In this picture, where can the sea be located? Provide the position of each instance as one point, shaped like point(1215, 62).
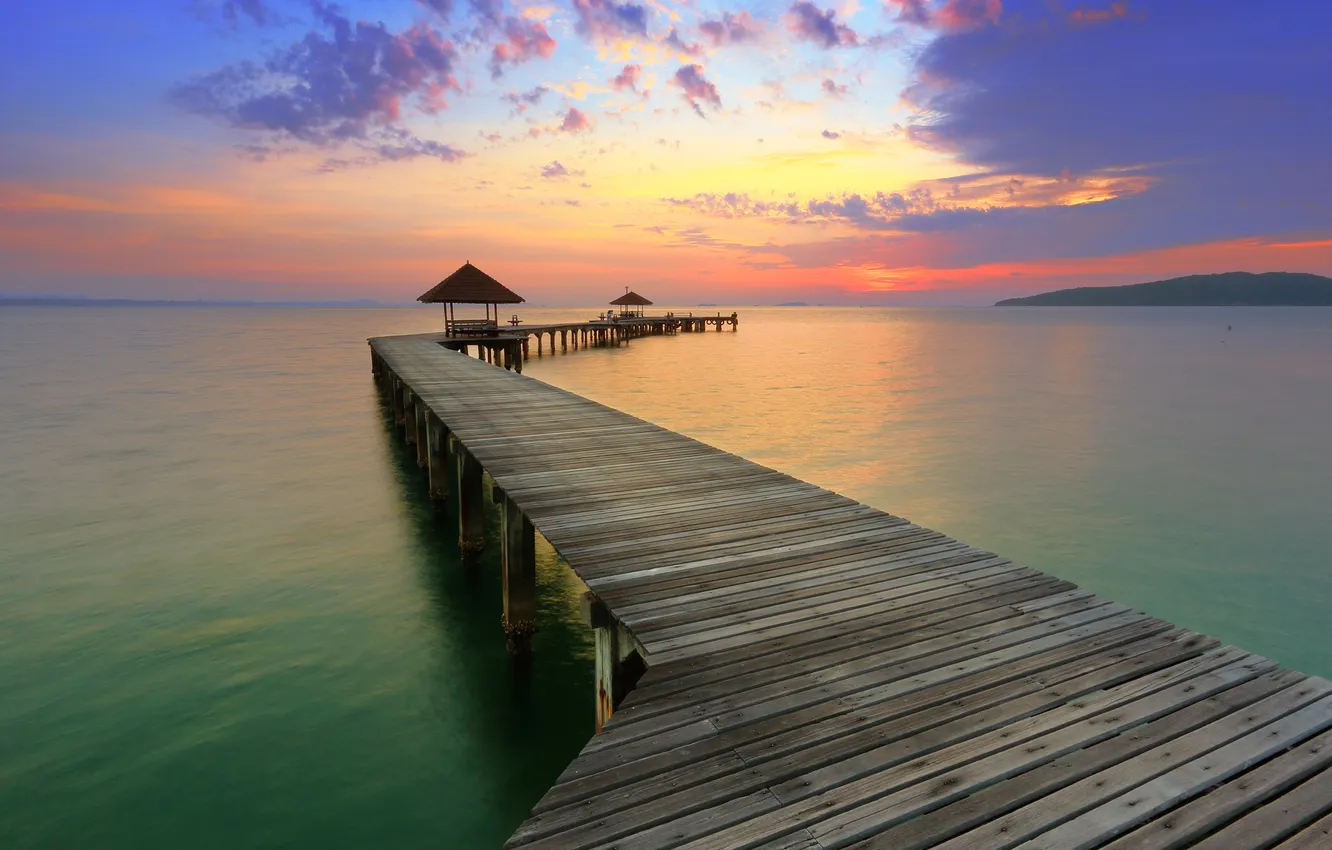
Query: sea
point(230, 618)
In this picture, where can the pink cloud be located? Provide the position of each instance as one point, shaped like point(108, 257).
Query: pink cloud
point(696, 88)
point(628, 78)
point(523, 41)
point(575, 121)
point(965, 14)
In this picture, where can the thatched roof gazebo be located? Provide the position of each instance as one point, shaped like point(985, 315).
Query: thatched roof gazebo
point(629, 301)
point(470, 285)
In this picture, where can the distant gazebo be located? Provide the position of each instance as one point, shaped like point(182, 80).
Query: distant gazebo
point(470, 285)
point(631, 304)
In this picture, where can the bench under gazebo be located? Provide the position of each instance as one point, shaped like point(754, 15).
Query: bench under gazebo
point(470, 285)
point(631, 304)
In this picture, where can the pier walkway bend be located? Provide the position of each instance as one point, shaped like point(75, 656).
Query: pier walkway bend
point(821, 674)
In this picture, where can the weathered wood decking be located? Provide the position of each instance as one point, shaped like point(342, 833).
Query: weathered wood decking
point(822, 674)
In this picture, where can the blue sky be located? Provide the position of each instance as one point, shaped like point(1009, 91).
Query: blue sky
point(900, 151)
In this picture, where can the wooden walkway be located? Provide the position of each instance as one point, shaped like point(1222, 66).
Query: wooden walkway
point(822, 674)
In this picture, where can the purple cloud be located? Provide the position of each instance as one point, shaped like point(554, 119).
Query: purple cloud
point(832, 89)
point(829, 134)
point(689, 49)
point(522, 100)
point(819, 26)
point(607, 20)
point(523, 41)
point(731, 29)
point(255, 10)
point(696, 88)
point(346, 84)
point(1213, 115)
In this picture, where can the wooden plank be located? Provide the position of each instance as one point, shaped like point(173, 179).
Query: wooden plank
point(1276, 820)
point(1137, 806)
point(1185, 824)
point(1077, 797)
point(1316, 836)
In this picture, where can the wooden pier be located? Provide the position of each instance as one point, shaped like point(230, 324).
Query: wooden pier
point(510, 345)
point(781, 667)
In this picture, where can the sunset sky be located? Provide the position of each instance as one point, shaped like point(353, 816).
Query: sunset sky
point(858, 151)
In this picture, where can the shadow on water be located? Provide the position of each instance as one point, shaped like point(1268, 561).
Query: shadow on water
point(526, 720)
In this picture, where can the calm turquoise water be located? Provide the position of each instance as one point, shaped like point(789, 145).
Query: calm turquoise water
point(228, 618)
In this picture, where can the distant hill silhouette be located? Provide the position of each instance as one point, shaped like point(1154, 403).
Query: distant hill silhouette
point(1229, 289)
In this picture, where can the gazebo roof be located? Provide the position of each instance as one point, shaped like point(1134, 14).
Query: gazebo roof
point(631, 299)
point(470, 285)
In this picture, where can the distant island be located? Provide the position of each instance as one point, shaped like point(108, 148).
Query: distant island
point(1229, 289)
point(793, 304)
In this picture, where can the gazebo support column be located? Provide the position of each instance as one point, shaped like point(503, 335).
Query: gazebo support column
point(471, 503)
point(438, 452)
point(519, 579)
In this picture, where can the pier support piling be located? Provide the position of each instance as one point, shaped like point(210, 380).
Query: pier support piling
point(471, 503)
point(519, 579)
point(619, 664)
point(422, 433)
point(437, 442)
point(409, 416)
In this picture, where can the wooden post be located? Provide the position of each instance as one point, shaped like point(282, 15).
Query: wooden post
point(564, 341)
point(619, 665)
point(471, 503)
point(541, 340)
point(519, 355)
point(437, 439)
point(422, 434)
point(395, 399)
point(409, 415)
point(519, 579)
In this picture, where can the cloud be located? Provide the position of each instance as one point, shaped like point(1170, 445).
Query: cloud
point(673, 40)
point(442, 8)
point(255, 10)
point(400, 145)
point(950, 15)
point(1087, 15)
point(1215, 121)
point(606, 20)
point(556, 170)
point(819, 26)
point(346, 82)
point(965, 14)
point(628, 78)
point(696, 88)
point(832, 89)
point(731, 29)
point(524, 40)
point(912, 210)
point(910, 11)
point(575, 121)
point(829, 134)
point(522, 100)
